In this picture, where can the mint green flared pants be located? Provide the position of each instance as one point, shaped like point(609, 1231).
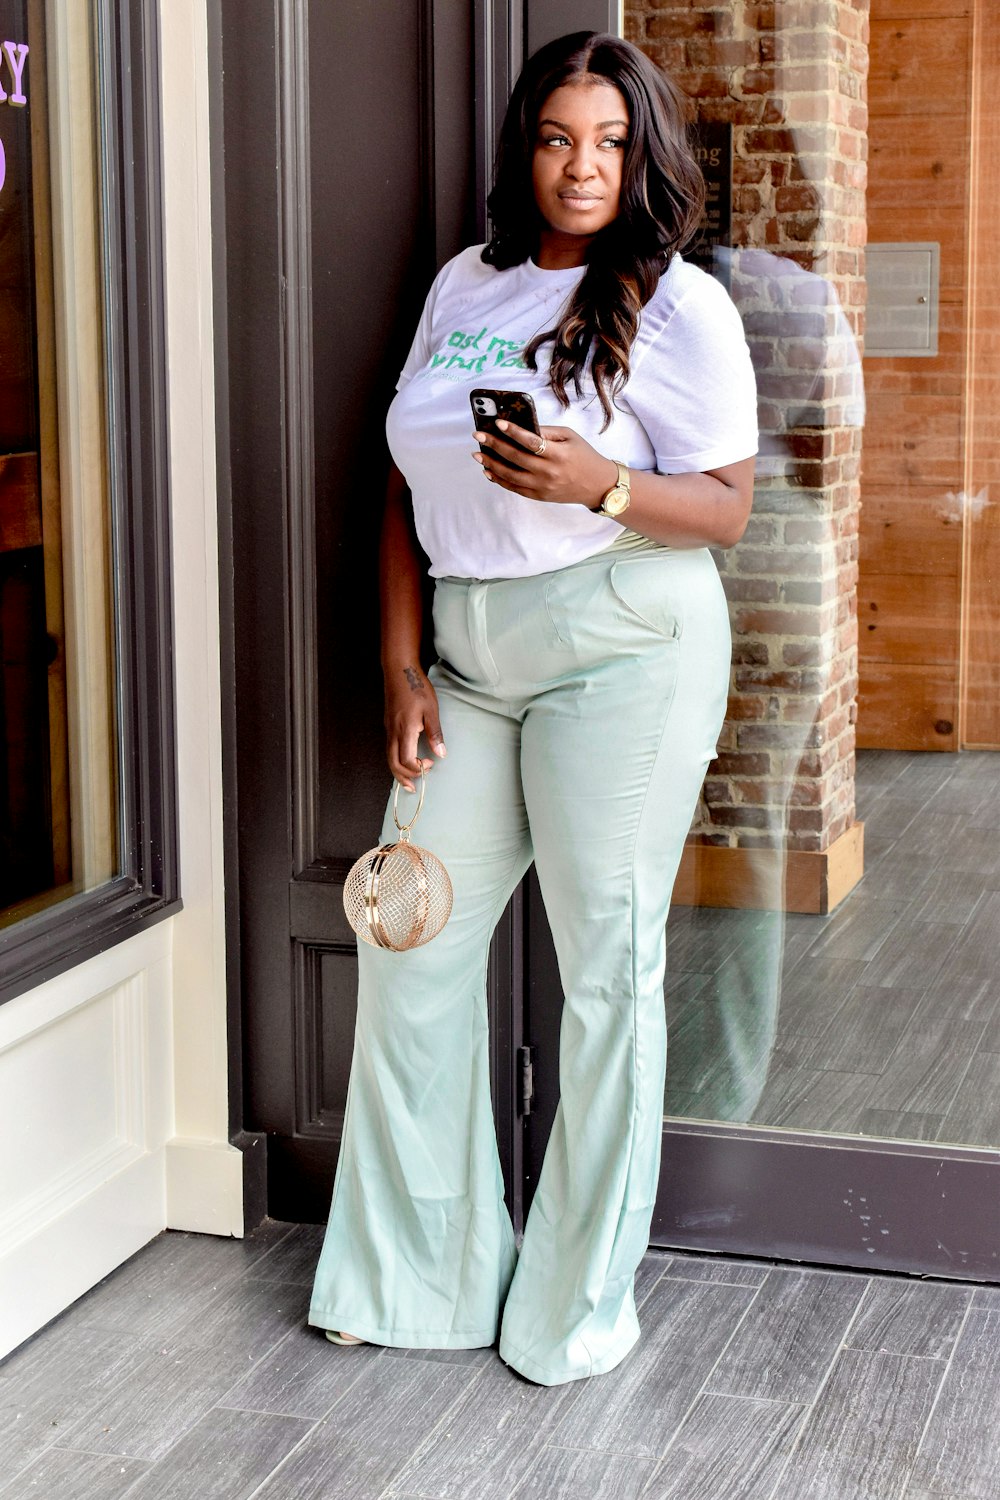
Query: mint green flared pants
point(580, 709)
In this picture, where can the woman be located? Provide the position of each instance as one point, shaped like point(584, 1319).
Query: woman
point(581, 680)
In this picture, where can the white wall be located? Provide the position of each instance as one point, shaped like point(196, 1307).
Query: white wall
point(113, 1077)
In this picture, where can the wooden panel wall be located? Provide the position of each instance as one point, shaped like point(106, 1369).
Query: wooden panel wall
point(915, 459)
point(981, 676)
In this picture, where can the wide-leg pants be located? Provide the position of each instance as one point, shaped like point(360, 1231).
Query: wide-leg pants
point(580, 709)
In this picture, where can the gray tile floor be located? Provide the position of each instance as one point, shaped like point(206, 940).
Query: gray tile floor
point(882, 1019)
point(190, 1374)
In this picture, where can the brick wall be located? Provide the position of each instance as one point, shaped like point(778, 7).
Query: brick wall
point(790, 78)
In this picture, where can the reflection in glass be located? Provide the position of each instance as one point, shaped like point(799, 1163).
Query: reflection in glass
point(863, 596)
point(888, 1021)
point(58, 801)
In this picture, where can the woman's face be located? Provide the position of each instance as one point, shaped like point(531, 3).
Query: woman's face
point(578, 157)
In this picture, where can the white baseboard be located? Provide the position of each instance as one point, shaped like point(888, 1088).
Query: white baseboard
point(204, 1186)
point(55, 1262)
point(186, 1184)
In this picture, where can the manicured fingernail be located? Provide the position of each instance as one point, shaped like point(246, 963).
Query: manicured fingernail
point(478, 457)
point(502, 424)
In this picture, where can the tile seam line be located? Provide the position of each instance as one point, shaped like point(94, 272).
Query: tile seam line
point(646, 1295)
point(746, 1286)
point(263, 1411)
point(98, 1453)
point(269, 1476)
point(110, 1453)
point(69, 1447)
point(460, 1396)
point(303, 1439)
point(974, 1052)
point(657, 1458)
point(277, 1244)
point(937, 1396)
point(715, 1363)
point(944, 1359)
point(775, 1492)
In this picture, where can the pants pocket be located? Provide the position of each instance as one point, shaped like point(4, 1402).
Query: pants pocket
point(641, 586)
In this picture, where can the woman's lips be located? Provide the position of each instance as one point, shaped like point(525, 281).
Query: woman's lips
point(576, 200)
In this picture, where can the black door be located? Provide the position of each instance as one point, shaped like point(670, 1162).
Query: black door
point(353, 159)
point(353, 149)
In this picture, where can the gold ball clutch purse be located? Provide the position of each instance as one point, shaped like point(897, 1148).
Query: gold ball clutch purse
point(398, 896)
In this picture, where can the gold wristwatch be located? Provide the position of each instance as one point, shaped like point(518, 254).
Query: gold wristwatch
point(617, 499)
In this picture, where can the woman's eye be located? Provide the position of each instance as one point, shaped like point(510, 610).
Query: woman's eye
point(615, 142)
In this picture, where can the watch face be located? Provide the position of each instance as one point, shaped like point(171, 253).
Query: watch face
point(616, 500)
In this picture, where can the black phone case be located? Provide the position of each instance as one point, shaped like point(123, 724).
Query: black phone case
point(513, 406)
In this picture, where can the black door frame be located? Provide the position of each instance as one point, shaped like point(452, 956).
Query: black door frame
point(261, 193)
point(264, 426)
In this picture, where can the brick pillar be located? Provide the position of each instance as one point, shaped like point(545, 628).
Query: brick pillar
point(777, 823)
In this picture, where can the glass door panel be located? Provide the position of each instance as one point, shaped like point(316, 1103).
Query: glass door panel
point(832, 988)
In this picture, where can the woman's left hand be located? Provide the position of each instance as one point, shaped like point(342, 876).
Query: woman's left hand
point(560, 466)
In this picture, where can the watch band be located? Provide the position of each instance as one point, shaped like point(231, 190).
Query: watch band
point(619, 495)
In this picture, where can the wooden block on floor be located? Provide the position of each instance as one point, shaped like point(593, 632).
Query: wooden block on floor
point(794, 880)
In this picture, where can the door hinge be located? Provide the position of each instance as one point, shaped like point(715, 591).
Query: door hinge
point(526, 1077)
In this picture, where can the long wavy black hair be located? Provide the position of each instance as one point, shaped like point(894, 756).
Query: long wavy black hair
point(661, 203)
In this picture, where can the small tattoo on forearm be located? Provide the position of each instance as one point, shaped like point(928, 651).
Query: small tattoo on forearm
point(413, 678)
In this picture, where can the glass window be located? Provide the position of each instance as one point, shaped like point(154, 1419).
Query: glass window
point(58, 778)
point(88, 828)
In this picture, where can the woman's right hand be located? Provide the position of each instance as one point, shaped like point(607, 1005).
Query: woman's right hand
point(411, 706)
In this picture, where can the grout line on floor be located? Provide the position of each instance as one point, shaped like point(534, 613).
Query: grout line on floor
point(937, 1396)
point(715, 1364)
point(744, 1286)
point(277, 1244)
point(386, 1491)
point(277, 1467)
point(774, 1492)
point(652, 1288)
point(305, 1436)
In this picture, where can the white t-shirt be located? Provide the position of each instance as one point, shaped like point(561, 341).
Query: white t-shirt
point(689, 405)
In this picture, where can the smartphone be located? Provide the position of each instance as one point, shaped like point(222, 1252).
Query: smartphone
point(514, 406)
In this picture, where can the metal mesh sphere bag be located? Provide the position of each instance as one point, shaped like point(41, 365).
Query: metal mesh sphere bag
point(398, 895)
